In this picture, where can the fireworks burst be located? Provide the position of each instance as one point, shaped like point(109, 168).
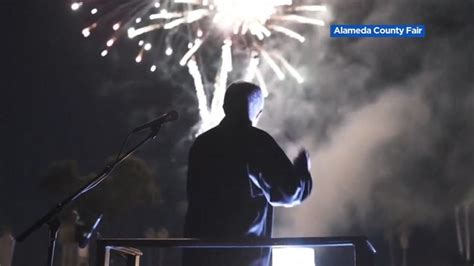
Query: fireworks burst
point(243, 24)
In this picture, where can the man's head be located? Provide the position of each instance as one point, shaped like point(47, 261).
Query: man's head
point(243, 100)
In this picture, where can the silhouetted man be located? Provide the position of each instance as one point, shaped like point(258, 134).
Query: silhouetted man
point(236, 172)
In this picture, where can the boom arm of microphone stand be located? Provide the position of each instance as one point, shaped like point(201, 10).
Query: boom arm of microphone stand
point(53, 212)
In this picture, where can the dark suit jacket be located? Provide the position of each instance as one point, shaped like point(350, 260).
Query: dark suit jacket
point(236, 173)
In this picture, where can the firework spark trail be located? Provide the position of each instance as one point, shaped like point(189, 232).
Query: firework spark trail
point(188, 17)
point(217, 112)
point(255, 20)
point(311, 8)
point(274, 66)
point(165, 15)
point(132, 32)
point(200, 93)
point(288, 32)
point(252, 67)
point(191, 52)
point(296, 75)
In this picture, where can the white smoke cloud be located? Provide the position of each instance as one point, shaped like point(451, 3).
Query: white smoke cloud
point(345, 166)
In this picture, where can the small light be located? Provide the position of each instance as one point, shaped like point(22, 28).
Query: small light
point(86, 32)
point(141, 42)
point(75, 6)
point(116, 26)
point(153, 68)
point(94, 11)
point(110, 42)
point(138, 20)
point(190, 45)
point(293, 256)
point(199, 33)
point(169, 51)
point(104, 53)
point(138, 59)
point(147, 47)
point(157, 4)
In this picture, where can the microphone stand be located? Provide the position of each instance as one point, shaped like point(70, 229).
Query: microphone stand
point(51, 219)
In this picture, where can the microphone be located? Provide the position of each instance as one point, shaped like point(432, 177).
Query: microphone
point(168, 117)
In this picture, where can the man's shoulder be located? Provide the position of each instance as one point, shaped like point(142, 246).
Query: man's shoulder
point(260, 133)
point(206, 135)
point(216, 132)
point(205, 138)
point(260, 137)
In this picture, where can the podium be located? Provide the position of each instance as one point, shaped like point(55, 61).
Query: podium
point(364, 251)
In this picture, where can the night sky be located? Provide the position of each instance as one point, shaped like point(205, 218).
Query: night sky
point(388, 123)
